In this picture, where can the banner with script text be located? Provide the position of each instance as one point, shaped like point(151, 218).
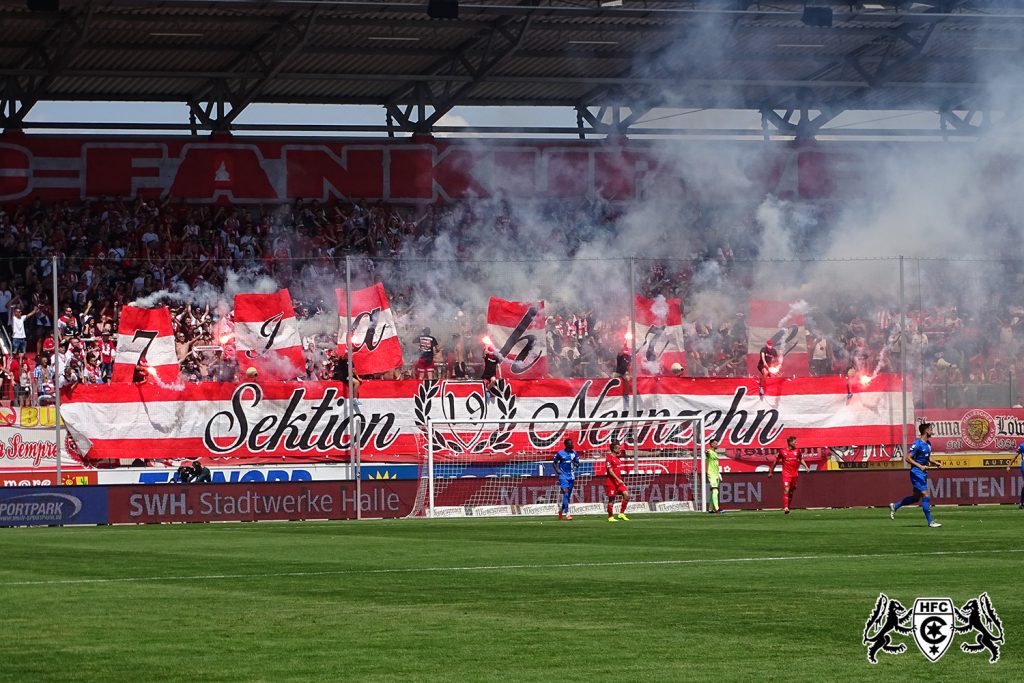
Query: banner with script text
point(310, 421)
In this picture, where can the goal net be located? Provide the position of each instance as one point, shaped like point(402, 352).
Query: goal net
point(504, 467)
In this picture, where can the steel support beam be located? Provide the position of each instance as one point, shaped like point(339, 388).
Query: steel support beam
point(43, 64)
point(218, 103)
point(445, 83)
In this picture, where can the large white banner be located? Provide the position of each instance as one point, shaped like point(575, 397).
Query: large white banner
point(310, 421)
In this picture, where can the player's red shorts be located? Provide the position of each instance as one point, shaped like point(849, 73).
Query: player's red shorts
point(789, 482)
point(614, 488)
point(425, 364)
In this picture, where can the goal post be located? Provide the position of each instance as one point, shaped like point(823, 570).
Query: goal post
point(504, 466)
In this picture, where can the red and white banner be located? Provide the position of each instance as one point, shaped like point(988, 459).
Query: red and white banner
point(267, 336)
point(960, 430)
point(144, 338)
point(260, 171)
point(517, 332)
point(310, 421)
point(659, 340)
point(783, 323)
point(375, 344)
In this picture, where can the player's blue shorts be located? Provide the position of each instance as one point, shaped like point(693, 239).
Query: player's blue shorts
point(919, 479)
point(566, 482)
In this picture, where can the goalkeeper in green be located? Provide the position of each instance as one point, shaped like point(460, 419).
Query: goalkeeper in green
point(714, 475)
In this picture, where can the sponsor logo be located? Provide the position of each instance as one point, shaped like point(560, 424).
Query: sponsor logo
point(40, 508)
point(233, 476)
point(934, 623)
point(389, 472)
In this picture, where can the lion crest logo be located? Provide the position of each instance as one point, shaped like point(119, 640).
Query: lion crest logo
point(978, 615)
point(978, 428)
point(888, 617)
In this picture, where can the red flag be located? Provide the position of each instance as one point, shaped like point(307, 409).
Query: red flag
point(783, 323)
point(144, 339)
point(267, 336)
point(517, 332)
point(659, 335)
point(375, 345)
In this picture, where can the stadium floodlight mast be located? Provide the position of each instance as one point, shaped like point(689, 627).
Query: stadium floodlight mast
point(464, 477)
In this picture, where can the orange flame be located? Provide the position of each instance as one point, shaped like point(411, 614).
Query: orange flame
point(486, 339)
point(865, 380)
point(628, 336)
point(774, 369)
point(225, 338)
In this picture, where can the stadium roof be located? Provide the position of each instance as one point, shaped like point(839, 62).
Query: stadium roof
point(612, 63)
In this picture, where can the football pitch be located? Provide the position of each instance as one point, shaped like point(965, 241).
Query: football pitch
point(743, 596)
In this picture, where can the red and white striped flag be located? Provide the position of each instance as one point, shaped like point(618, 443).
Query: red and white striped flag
point(267, 336)
point(783, 323)
point(517, 332)
point(659, 335)
point(375, 345)
point(144, 338)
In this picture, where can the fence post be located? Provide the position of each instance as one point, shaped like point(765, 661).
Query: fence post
point(56, 373)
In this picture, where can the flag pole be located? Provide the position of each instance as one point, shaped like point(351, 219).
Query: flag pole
point(903, 364)
point(56, 377)
point(353, 426)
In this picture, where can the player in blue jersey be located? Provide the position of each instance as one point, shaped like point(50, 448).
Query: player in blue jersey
point(1020, 455)
point(920, 460)
point(566, 462)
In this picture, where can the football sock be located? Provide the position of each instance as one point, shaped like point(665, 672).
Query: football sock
point(909, 500)
point(622, 507)
point(565, 501)
point(610, 509)
point(714, 499)
point(926, 505)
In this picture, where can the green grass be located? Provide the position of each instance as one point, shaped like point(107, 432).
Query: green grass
point(662, 598)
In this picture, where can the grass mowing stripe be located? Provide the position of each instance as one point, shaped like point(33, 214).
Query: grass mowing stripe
point(511, 567)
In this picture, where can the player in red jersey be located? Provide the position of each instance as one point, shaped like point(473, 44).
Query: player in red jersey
point(613, 484)
point(791, 461)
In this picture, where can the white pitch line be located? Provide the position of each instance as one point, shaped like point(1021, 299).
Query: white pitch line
point(510, 567)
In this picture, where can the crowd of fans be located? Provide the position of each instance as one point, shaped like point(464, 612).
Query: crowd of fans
point(111, 253)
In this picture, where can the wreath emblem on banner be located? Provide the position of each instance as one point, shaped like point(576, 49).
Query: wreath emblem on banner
point(499, 440)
